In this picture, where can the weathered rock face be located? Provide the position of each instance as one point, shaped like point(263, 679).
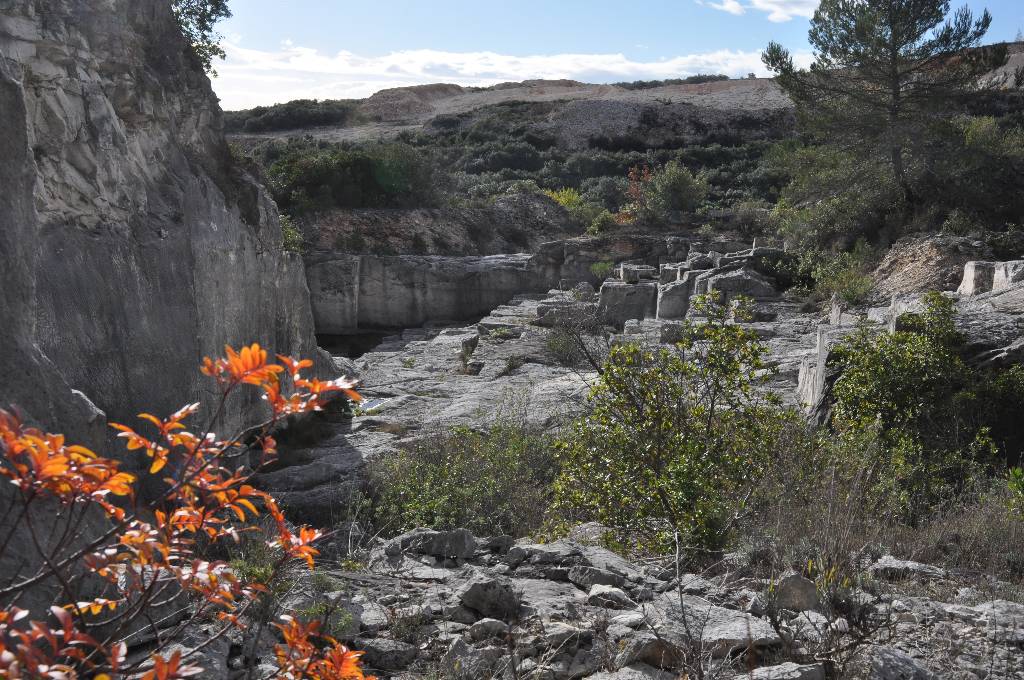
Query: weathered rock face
point(131, 246)
point(350, 292)
point(917, 265)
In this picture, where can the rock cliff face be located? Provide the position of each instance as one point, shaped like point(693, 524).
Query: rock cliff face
point(358, 292)
point(130, 246)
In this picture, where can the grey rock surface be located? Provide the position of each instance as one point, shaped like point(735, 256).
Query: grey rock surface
point(796, 593)
point(141, 246)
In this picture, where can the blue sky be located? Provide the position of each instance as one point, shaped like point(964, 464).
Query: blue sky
point(284, 49)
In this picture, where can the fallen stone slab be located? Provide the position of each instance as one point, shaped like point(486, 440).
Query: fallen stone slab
point(789, 671)
point(892, 569)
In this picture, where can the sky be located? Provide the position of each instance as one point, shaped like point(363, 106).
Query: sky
point(278, 50)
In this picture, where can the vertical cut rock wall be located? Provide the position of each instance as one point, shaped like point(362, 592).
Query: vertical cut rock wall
point(130, 245)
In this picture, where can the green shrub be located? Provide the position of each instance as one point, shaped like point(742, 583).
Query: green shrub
point(943, 424)
point(581, 212)
point(291, 238)
point(603, 223)
point(844, 274)
point(656, 196)
point(497, 481)
point(675, 438)
point(960, 223)
point(689, 80)
point(298, 113)
point(305, 179)
point(602, 269)
point(675, 188)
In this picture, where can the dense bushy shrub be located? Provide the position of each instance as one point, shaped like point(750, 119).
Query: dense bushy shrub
point(836, 197)
point(298, 113)
point(308, 178)
point(291, 237)
point(581, 212)
point(942, 424)
point(602, 223)
point(607, 192)
point(675, 438)
point(845, 275)
point(658, 196)
point(495, 481)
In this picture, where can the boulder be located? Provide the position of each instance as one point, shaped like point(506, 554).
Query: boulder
point(487, 628)
point(635, 671)
point(650, 649)
point(386, 654)
point(563, 636)
point(721, 631)
point(796, 593)
point(633, 273)
point(462, 661)
point(789, 671)
point(490, 597)
point(609, 597)
point(455, 544)
point(889, 663)
point(586, 577)
point(674, 299)
point(742, 281)
point(1007, 273)
point(892, 569)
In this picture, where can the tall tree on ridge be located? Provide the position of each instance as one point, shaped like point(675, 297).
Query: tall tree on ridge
point(883, 72)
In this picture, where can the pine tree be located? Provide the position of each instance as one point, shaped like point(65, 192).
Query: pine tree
point(884, 71)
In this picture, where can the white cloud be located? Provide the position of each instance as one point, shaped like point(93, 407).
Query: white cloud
point(777, 10)
point(251, 77)
point(784, 10)
point(730, 6)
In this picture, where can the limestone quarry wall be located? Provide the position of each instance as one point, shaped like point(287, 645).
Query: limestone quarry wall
point(360, 292)
point(130, 245)
point(353, 292)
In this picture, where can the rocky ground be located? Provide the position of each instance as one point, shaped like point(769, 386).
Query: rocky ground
point(436, 604)
point(427, 379)
point(447, 604)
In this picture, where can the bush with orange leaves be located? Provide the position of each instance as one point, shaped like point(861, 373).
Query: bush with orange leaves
point(109, 560)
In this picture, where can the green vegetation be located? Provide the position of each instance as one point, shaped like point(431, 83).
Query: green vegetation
point(492, 482)
point(581, 212)
point(845, 275)
point(197, 19)
point(306, 177)
point(689, 80)
point(656, 196)
point(291, 237)
point(883, 75)
point(675, 439)
point(942, 425)
point(298, 113)
point(602, 223)
point(501, 149)
point(602, 269)
point(895, 133)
